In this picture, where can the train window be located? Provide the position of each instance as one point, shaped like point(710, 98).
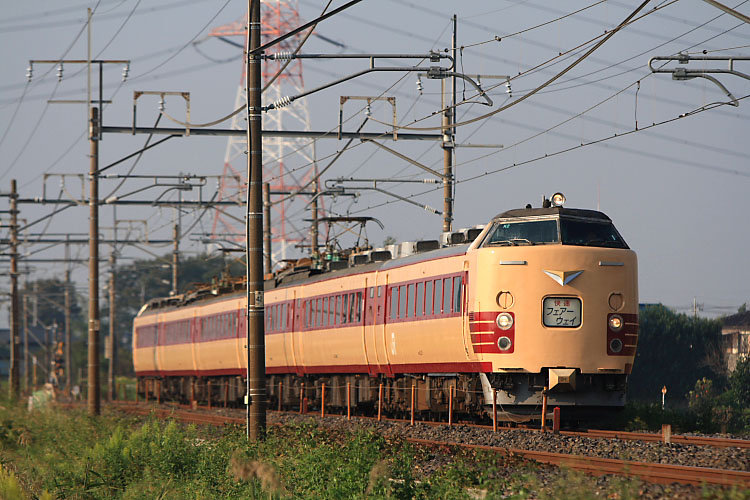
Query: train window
point(331, 311)
point(523, 233)
point(319, 313)
point(402, 301)
point(350, 312)
point(438, 296)
point(380, 291)
point(283, 316)
point(428, 299)
point(394, 302)
point(307, 313)
point(420, 298)
point(446, 295)
point(593, 234)
point(372, 292)
point(344, 307)
point(325, 311)
point(457, 294)
point(358, 310)
point(410, 301)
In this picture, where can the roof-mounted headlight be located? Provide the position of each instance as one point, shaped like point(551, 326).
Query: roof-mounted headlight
point(558, 199)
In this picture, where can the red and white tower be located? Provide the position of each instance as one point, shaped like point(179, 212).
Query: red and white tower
point(288, 163)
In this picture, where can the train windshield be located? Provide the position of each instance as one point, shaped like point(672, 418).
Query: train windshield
point(567, 231)
point(524, 233)
point(589, 233)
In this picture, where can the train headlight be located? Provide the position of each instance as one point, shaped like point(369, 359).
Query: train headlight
point(557, 199)
point(615, 345)
point(615, 322)
point(504, 343)
point(504, 321)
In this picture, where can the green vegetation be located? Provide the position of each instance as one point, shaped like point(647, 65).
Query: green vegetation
point(674, 350)
point(684, 354)
point(66, 454)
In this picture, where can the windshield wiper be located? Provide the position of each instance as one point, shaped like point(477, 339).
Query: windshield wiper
point(511, 242)
point(517, 241)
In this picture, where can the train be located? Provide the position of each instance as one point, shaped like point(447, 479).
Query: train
point(538, 303)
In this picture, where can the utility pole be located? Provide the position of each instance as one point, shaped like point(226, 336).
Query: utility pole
point(25, 342)
point(449, 143)
point(256, 357)
point(68, 359)
point(94, 398)
point(268, 264)
point(314, 207)
point(14, 386)
point(175, 255)
point(111, 340)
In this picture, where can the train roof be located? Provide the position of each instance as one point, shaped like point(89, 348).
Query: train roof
point(559, 211)
point(311, 276)
point(296, 277)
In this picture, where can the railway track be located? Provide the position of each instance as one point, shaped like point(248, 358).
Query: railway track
point(590, 433)
point(651, 472)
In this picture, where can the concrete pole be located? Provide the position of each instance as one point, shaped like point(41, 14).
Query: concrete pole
point(68, 319)
point(112, 340)
point(314, 229)
point(94, 397)
point(256, 357)
point(25, 323)
point(14, 385)
point(449, 144)
point(175, 255)
point(268, 263)
point(447, 165)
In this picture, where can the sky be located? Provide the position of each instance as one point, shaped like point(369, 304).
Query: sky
point(663, 158)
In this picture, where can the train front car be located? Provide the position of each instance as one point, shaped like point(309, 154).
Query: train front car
point(554, 303)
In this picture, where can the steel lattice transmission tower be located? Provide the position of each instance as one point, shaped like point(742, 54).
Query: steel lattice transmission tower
point(289, 164)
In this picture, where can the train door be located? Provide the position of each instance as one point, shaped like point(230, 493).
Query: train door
point(371, 308)
point(380, 331)
point(297, 336)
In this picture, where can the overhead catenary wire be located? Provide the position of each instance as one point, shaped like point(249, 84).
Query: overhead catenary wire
point(580, 146)
point(49, 70)
point(498, 38)
point(265, 87)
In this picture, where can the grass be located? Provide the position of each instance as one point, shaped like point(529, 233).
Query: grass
point(67, 454)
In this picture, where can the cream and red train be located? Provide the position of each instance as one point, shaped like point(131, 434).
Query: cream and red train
point(542, 297)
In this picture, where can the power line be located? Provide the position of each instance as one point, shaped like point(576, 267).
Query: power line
point(579, 146)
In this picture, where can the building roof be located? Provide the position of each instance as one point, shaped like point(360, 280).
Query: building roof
point(741, 320)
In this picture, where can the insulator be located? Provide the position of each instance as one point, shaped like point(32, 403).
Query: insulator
point(125, 72)
point(508, 90)
point(431, 181)
point(280, 103)
point(368, 110)
point(283, 56)
point(30, 72)
point(419, 85)
point(430, 209)
point(161, 104)
point(59, 72)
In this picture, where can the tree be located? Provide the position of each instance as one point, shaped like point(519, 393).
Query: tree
point(389, 240)
point(739, 385)
point(742, 309)
point(674, 350)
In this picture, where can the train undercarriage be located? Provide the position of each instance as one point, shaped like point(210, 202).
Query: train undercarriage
point(518, 396)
